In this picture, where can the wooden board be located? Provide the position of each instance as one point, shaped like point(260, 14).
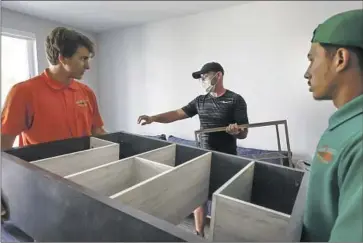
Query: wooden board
point(50, 208)
point(96, 142)
point(240, 185)
point(175, 193)
point(295, 228)
point(235, 218)
point(157, 194)
point(117, 176)
point(145, 169)
point(165, 155)
point(238, 221)
point(75, 162)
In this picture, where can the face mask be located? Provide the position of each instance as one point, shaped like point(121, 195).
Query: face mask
point(208, 86)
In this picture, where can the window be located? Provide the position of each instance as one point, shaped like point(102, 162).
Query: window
point(18, 60)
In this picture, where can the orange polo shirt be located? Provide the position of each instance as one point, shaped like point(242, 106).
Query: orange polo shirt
point(43, 110)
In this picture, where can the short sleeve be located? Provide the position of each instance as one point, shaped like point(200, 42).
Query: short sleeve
point(191, 108)
point(17, 113)
point(240, 111)
point(97, 121)
point(349, 223)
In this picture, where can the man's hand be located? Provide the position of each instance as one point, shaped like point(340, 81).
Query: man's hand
point(98, 131)
point(144, 120)
point(233, 129)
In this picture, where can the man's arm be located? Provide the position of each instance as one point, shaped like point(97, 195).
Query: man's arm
point(16, 115)
point(98, 131)
point(187, 111)
point(170, 116)
point(240, 116)
point(349, 223)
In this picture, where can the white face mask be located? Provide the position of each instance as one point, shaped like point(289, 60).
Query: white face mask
point(208, 86)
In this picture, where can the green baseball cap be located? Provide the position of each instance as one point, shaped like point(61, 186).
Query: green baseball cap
point(344, 29)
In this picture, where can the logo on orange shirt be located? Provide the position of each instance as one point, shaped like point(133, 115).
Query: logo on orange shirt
point(82, 103)
point(326, 154)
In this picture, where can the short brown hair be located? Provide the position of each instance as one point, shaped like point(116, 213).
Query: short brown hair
point(65, 42)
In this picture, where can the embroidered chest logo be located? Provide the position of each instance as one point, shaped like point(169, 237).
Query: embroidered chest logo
point(82, 103)
point(226, 102)
point(326, 154)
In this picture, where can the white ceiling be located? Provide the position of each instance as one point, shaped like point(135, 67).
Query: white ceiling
point(98, 16)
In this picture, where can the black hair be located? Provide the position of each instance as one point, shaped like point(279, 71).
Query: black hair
point(332, 49)
point(65, 42)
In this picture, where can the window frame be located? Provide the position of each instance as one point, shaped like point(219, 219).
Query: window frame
point(32, 55)
point(32, 47)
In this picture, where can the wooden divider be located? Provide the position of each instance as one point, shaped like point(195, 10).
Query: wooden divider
point(252, 201)
point(114, 177)
point(236, 218)
point(96, 142)
point(240, 185)
point(64, 165)
point(165, 155)
point(173, 194)
point(239, 221)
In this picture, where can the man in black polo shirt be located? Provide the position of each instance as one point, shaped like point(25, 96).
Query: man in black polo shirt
point(219, 107)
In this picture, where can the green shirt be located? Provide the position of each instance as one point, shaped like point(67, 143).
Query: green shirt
point(334, 207)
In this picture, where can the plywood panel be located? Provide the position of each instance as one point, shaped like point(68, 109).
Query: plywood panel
point(238, 221)
point(240, 185)
point(114, 177)
point(175, 193)
point(106, 179)
point(295, 228)
point(165, 155)
point(88, 215)
point(236, 218)
point(224, 167)
point(96, 142)
point(133, 144)
point(275, 187)
point(75, 162)
point(52, 209)
point(145, 169)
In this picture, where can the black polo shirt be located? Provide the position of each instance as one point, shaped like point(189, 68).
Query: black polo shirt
point(218, 112)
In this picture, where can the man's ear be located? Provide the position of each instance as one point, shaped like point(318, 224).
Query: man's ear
point(342, 59)
point(61, 59)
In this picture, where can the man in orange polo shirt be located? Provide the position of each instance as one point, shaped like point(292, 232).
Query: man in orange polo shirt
point(53, 105)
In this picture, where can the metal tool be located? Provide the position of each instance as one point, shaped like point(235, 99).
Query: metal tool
point(272, 155)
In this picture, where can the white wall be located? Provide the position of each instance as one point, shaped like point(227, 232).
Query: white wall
point(41, 28)
point(263, 48)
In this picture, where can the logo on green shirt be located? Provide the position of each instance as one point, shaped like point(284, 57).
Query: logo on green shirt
point(326, 154)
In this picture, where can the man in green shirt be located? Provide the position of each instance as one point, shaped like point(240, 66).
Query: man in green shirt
point(334, 207)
